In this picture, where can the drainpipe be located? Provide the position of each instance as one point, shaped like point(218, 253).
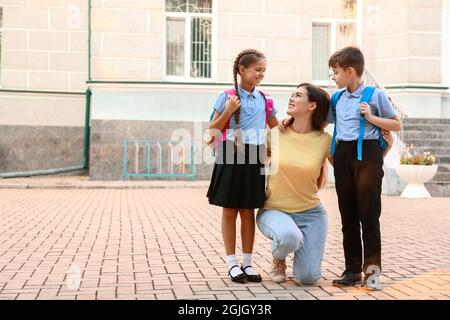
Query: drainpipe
point(87, 130)
point(89, 39)
point(83, 166)
point(21, 174)
point(86, 143)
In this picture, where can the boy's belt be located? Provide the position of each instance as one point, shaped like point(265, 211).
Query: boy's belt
point(355, 141)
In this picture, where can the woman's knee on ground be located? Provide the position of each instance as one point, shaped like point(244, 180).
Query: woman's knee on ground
point(306, 277)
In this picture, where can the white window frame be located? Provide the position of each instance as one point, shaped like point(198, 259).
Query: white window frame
point(187, 49)
point(333, 22)
point(332, 26)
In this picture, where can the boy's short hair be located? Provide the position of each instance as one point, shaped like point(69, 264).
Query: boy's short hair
point(348, 57)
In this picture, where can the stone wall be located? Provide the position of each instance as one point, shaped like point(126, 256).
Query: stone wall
point(30, 148)
point(107, 148)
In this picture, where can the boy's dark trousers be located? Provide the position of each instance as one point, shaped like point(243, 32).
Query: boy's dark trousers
point(358, 187)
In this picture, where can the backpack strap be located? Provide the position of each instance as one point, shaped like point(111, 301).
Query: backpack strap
point(223, 137)
point(365, 98)
point(334, 101)
point(383, 143)
point(232, 92)
point(267, 97)
point(269, 105)
point(229, 93)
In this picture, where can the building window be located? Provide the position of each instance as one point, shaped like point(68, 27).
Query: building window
point(321, 43)
point(188, 39)
point(329, 35)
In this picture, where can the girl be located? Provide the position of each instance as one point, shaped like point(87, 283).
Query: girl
point(238, 181)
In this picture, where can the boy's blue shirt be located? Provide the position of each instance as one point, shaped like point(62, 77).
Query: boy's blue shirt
point(348, 114)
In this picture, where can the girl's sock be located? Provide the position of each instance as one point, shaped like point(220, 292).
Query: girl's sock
point(231, 262)
point(247, 261)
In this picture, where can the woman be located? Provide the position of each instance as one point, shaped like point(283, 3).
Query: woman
point(293, 216)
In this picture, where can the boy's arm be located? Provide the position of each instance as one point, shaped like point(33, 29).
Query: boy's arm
point(391, 124)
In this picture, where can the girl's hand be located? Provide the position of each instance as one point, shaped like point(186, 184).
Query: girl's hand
point(366, 111)
point(232, 104)
point(209, 139)
point(284, 124)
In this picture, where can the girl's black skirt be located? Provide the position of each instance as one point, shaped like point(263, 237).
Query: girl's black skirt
point(238, 179)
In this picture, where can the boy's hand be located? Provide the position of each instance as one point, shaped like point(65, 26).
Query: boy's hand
point(232, 104)
point(366, 111)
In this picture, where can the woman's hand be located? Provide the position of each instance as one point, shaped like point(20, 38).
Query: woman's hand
point(387, 135)
point(232, 104)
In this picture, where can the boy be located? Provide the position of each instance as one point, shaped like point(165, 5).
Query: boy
point(358, 178)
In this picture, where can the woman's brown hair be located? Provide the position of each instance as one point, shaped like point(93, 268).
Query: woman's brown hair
point(322, 99)
point(319, 118)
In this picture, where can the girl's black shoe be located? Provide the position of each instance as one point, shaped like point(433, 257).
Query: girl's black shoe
point(240, 278)
point(251, 277)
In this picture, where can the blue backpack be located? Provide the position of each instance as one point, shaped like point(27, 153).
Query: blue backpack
point(365, 98)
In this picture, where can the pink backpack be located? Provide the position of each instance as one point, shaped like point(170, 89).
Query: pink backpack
point(232, 92)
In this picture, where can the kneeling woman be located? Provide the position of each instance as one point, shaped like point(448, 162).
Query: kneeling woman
point(293, 216)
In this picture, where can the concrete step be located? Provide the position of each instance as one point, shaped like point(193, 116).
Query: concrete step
point(440, 152)
point(425, 121)
point(409, 135)
point(438, 189)
point(444, 167)
point(442, 143)
point(432, 135)
point(444, 159)
point(427, 127)
point(441, 177)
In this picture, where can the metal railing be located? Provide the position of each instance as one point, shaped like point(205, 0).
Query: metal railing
point(158, 159)
point(370, 80)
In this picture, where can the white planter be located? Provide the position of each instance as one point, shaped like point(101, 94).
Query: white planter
point(416, 176)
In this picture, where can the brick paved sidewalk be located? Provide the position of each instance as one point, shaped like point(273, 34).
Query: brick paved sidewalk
point(83, 182)
point(165, 243)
